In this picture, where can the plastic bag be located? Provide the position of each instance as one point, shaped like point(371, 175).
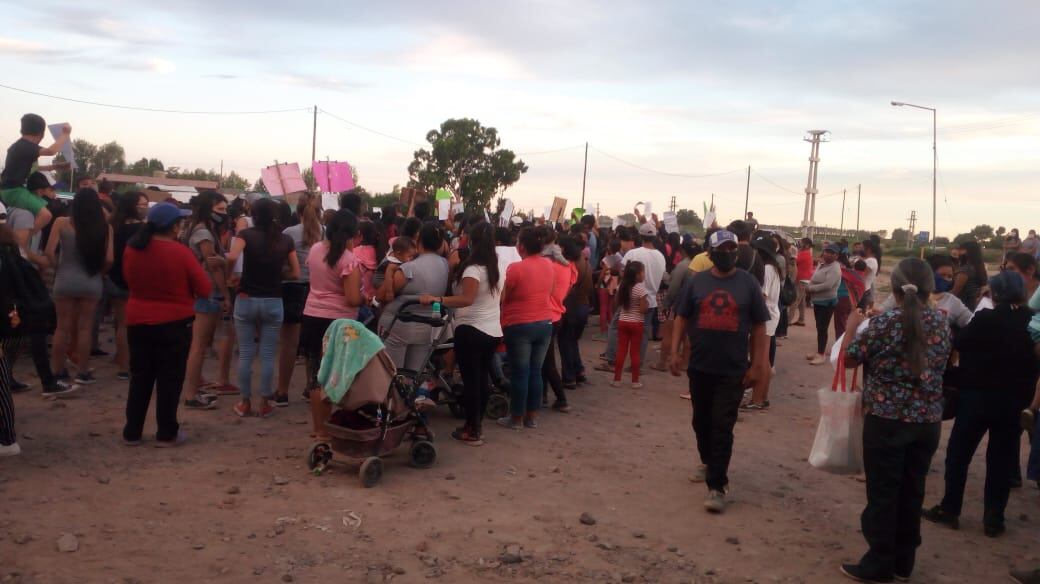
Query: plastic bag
point(838, 446)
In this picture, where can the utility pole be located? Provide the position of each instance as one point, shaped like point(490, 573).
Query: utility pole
point(584, 175)
point(842, 228)
point(747, 191)
point(314, 136)
point(671, 206)
point(220, 182)
point(859, 194)
point(910, 234)
point(814, 137)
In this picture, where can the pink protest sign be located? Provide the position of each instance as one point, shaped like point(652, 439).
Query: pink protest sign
point(282, 179)
point(333, 177)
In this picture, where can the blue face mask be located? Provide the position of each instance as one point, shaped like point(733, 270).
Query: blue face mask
point(942, 284)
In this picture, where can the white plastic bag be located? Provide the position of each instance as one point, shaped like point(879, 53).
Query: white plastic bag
point(838, 446)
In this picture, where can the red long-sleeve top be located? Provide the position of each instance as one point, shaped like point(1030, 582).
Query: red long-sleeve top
point(164, 280)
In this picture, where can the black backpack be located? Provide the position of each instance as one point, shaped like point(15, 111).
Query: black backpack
point(25, 292)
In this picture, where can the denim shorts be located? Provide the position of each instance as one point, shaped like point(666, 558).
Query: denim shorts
point(209, 305)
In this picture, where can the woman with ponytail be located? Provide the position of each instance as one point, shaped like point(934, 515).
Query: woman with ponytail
point(164, 280)
point(904, 353)
point(268, 259)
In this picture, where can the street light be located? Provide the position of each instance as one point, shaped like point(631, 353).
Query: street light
point(935, 157)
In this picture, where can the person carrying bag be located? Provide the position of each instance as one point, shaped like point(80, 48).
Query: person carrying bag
point(838, 446)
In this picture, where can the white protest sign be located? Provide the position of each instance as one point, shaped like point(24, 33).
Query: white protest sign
point(443, 209)
point(507, 214)
point(66, 150)
point(671, 222)
point(545, 212)
point(648, 209)
point(330, 201)
point(709, 218)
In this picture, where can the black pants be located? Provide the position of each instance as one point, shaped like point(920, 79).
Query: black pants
point(571, 328)
point(474, 350)
point(7, 435)
point(312, 337)
point(896, 457)
point(158, 357)
point(715, 400)
point(979, 412)
point(823, 316)
point(551, 373)
point(12, 347)
point(781, 327)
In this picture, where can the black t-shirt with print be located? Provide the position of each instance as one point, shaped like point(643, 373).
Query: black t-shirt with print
point(720, 313)
point(21, 157)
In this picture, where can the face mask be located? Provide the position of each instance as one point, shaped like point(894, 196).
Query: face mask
point(218, 218)
point(723, 260)
point(942, 284)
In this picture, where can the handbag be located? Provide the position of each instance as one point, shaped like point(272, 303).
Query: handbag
point(838, 445)
point(788, 292)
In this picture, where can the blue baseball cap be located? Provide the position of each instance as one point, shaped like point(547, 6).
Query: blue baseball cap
point(164, 215)
point(720, 237)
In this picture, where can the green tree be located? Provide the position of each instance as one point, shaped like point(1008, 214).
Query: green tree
point(963, 237)
point(689, 218)
point(259, 186)
point(900, 234)
point(235, 181)
point(464, 158)
point(146, 167)
point(982, 232)
point(1001, 231)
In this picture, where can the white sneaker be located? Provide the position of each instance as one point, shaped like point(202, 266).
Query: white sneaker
point(716, 501)
point(10, 450)
point(699, 475)
point(637, 385)
point(615, 384)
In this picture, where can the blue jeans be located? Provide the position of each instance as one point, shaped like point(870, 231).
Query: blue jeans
point(648, 320)
point(253, 315)
point(526, 345)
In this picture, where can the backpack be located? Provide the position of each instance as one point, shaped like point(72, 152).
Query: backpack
point(788, 292)
point(25, 292)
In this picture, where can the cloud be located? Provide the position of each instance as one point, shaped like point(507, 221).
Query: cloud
point(222, 76)
point(30, 50)
point(150, 65)
point(320, 82)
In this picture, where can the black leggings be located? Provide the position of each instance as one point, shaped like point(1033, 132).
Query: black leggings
point(312, 337)
point(550, 372)
point(823, 316)
point(474, 351)
point(158, 358)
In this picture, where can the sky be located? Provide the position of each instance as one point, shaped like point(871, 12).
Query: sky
point(675, 98)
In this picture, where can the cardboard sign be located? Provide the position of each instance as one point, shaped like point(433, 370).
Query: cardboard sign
point(606, 222)
point(410, 196)
point(558, 206)
point(332, 177)
point(671, 222)
point(67, 152)
point(330, 201)
point(282, 179)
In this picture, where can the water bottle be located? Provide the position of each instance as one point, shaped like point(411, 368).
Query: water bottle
point(436, 310)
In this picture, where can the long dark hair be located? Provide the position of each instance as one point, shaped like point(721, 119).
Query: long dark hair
point(126, 208)
point(912, 283)
point(628, 281)
point(339, 232)
point(481, 253)
point(532, 240)
point(373, 234)
point(972, 256)
point(265, 220)
point(88, 219)
point(203, 215)
point(143, 236)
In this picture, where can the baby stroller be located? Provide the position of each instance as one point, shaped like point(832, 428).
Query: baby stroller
point(372, 419)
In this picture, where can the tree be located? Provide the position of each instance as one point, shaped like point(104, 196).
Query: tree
point(982, 232)
point(963, 237)
point(235, 181)
point(900, 234)
point(689, 218)
point(1001, 231)
point(942, 241)
point(464, 158)
point(146, 167)
point(259, 186)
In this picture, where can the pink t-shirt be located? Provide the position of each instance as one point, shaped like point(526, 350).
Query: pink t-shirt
point(326, 298)
point(366, 257)
point(563, 278)
point(525, 297)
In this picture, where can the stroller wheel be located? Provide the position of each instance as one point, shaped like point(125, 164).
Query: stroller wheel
point(497, 406)
point(371, 472)
point(423, 454)
point(319, 458)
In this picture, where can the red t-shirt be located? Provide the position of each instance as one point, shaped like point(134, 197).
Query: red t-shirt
point(563, 278)
point(525, 297)
point(164, 280)
point(804, 261)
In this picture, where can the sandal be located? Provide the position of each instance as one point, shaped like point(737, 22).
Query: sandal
point(467, 437)
point(562, 408)
point(243, 410)
point(755, 407)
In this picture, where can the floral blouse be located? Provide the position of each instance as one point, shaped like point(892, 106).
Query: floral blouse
point(891, 391)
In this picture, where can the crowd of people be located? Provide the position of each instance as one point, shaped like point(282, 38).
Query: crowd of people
point(270, 278)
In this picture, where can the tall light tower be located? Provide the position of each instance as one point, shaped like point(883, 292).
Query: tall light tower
point(814, 137)
point(935, 155)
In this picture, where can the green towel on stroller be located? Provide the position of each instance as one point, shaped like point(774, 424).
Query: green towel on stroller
point(347, 347)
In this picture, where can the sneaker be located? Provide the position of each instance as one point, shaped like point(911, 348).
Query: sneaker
point(508, 422)
point(615, 384)
point(85, 379)
point(859, 574)
point(466, 437)
point(59, 388)
point(563, 408)
point(19, 387)
point(1025, 576)
point(180, 439)
point(637, 385)
point(755, 407)
point(281, 401)
point(225, 389)
point(123, 376)
point(699, 475)
point(818, 360)
point(266, 411)
point(581, 378)
point(205, 393)
point(570, 385)
point(531, 423)
point(716, 501)
point(937, 515)
point(994, 530)
point(10, 450)
point(242, 410)
point(199, 403)
point(99, 353)
point(137, 442)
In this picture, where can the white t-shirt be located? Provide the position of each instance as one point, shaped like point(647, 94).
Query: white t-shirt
point(654, 267)
point(507, 256)
point(872, 269)
point(771, 290)
point(957, 314)
point(483, 314)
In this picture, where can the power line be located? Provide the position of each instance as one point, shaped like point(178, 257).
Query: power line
point(781, 187)
point(551, 151)
point(151, 109)
point(643, 168)
point(366, 129)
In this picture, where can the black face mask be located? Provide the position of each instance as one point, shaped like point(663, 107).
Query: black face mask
point(723, 260)
point(218, 218)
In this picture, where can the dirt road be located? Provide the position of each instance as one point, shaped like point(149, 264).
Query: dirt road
point(237, 504)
